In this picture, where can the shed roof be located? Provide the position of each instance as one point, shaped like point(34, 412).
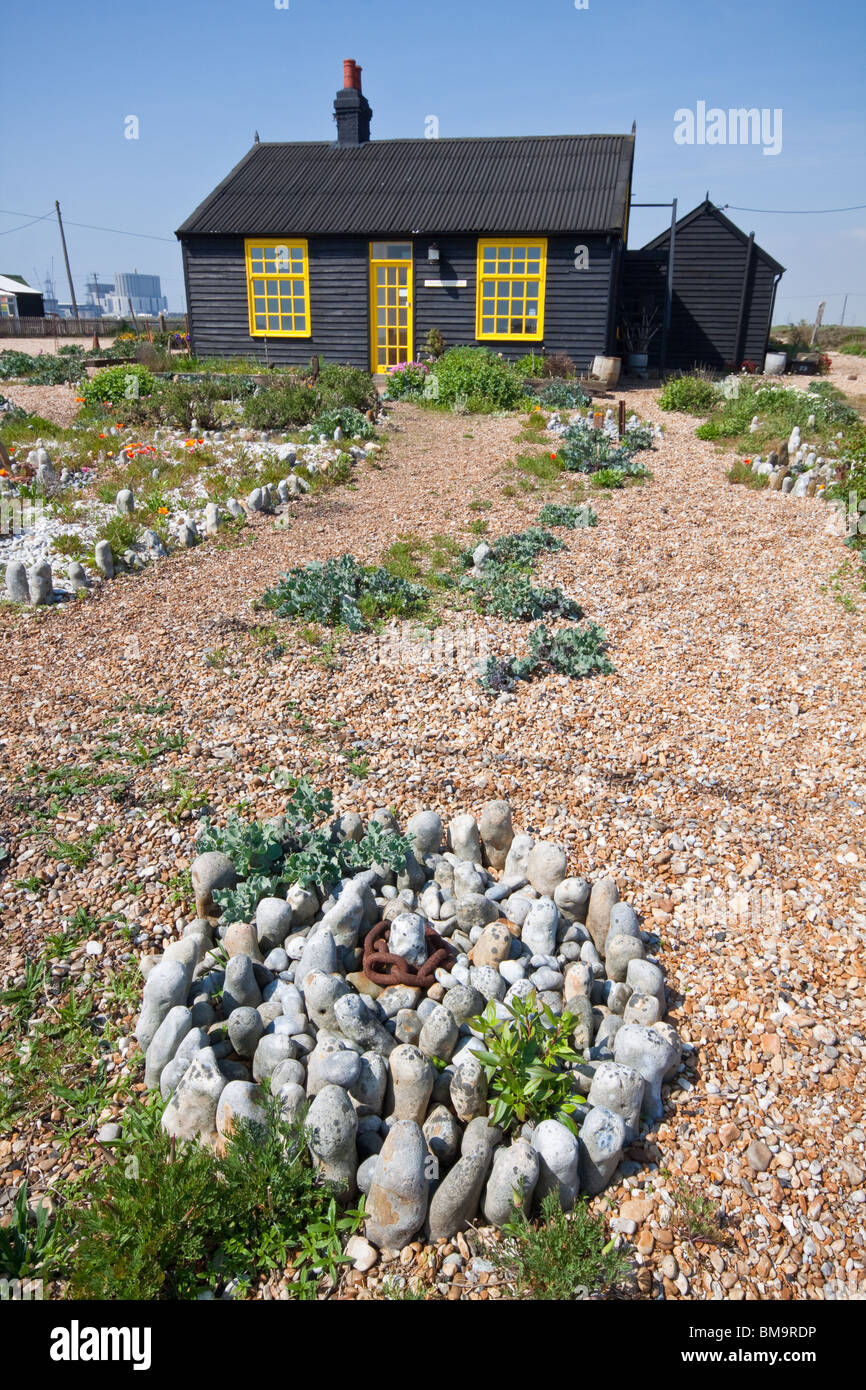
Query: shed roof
point(708, 209)
point(497, 185)
point(13, 284)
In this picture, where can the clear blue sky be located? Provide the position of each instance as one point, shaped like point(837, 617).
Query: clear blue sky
point(202, 75)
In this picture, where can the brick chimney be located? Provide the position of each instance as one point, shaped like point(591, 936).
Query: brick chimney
point(351, 109)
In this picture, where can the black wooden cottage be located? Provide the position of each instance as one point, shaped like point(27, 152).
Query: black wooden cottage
point(355, 249)
point(724, 288)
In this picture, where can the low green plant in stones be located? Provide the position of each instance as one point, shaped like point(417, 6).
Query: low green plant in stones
point(566, 515)
point(345, 417)
point(698, 1217)
point(294, 848)
point(172, 1222)
point(561, 395)
point(28, 1244)
point(116, 386)
point(512, 595)
point(693, 395)
point(570, 651)
point(563, 1257)
point(343, 593)
point(527, 1058)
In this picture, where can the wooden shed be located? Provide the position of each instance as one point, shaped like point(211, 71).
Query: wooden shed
point(724, 289)
point(355, 248)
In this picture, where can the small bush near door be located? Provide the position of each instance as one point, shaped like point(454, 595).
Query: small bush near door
point(476, 380)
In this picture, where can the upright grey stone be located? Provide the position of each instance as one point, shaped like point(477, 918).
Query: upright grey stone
point(411, 1082)
point(103, 559)
point(209, 872)
point(464, 838)
point(240, 989)
point(512, 1181)
point(397, 1201)
point(558, 1155)
point(39, 583)
point(650, 1054)
point(572, 898)
point(620, 1089)
point(191, 1112)
point(546, 867)
point(332, 1129)
point(456, 1199)
point(165, 1043)
point(497, 832)
point(16, 582)
point(425, 829)
point(602, 1139)
point(601, 899)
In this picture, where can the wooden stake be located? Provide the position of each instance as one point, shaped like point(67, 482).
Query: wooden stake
point(621, 419)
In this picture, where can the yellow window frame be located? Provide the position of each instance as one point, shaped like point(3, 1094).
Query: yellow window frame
point(266, 286)
point(500, 280)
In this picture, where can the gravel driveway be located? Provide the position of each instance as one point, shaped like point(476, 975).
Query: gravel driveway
point(720, 774)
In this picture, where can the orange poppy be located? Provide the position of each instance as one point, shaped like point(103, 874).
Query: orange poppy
point(163, 511)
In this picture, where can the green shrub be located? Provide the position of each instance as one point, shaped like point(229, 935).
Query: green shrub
point(166, 1222)
point(121, 532)
point(741, 472)
point(526, 1058)
point(346, 386)
point(531, 364)
point(180, 402)
point(117, 385)
point(564, 514)
point(477, 379)
point(342, 593)
point(564, 1257)
point(281, 407)
point(353, 424)
point(30, 1244)
point(692, 394)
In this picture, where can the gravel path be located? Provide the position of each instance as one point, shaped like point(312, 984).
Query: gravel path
point(719, 774)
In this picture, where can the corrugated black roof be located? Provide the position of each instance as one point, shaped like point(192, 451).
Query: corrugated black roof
point(498, 185)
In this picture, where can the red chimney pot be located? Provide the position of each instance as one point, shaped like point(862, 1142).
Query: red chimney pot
point(351, 74)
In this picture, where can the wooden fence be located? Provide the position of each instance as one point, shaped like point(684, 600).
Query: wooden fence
point(79, 328)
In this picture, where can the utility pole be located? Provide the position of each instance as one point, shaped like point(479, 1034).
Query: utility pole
point(844, 307)
point(68, 271)
point(818, 319)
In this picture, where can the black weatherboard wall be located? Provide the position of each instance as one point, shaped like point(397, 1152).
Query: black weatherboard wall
point(573, 190)
point(216, 292)
point(724, 288)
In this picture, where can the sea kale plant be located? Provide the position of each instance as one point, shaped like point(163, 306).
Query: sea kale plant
point(296, 847)
point(343, 593)
point(566, 515)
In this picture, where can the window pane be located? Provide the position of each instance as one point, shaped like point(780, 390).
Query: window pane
point(502, 325)
point(260, 321)
point(531, 325)
point(301, 323)
point(273, 321)
point(487, 325)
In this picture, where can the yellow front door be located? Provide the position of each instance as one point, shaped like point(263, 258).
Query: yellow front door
point(390, 304)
